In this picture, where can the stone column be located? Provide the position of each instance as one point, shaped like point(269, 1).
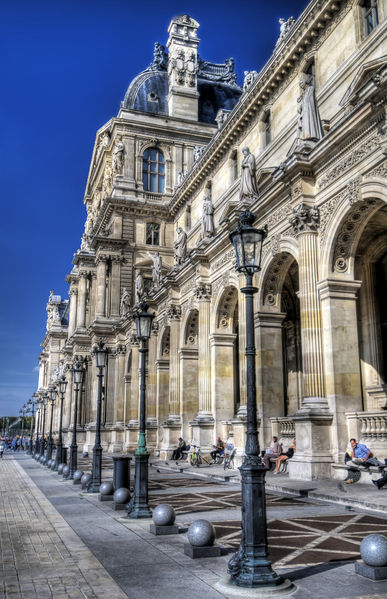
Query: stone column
point(101, 286)
point(93, 296)
point(115, 287)
point(312, 422)
point(172, 427)
point(73, 309)
point(151, 378)
point(133, 408)
point(270, 370)
point(342, 361)
point(222, 379)
point(81, 307)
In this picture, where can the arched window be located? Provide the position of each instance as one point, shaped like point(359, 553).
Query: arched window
point(267, 128)
point(153, 170)
point(152, 236)
point(370, 15)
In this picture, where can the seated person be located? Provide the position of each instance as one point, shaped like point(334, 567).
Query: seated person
point(271, 452)
point(218, 448)
point(283, 456)
point(362, 456)
point(179, 449)
point(381, 481)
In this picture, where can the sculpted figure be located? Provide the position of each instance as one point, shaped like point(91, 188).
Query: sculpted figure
point(249, 187)
point(285, 25)
point(103, 143)
point(208, 228)
point(180, 177)
point(118, 157)
point(139, 286)
point(125, 302)
point(157, 269)
point(107, 181)
point(249, 78)
point(309, 123)
point(198, 151)
point(180, 246)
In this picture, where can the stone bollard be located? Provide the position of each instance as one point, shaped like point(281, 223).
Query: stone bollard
point(77, 477)
point(85, 480)
point(373, 550)
point(164, 521)
point(201, 536)
point(120, 498)
point(106, 491)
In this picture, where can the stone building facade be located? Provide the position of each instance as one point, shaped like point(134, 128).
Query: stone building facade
point(304, 146)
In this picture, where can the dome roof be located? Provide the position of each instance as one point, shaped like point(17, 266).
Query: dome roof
point(217, 88)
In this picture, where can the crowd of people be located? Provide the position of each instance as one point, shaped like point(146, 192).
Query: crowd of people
point(16, 443)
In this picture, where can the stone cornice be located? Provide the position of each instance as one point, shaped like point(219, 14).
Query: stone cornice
point(306, 34)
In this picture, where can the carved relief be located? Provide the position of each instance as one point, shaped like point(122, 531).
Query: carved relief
point(221, 282)
point(272, 280)
point(348, 233)
point(107, 183)
point(379, 171)
point(192, 329)
point(174, 312)
point(203, 292)
point(166, 343)
point(305, 218)
point(226, 308)
point(226, 258)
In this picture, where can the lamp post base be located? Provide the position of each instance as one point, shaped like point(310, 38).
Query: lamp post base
point(138, 506)
point(96, 470)
point(226, 586)
point(58, 456)
point(73, 461)
point(49, 451)
point(250, 566)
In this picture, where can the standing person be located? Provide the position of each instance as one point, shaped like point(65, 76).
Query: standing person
point(272, 452)
point(1, 449)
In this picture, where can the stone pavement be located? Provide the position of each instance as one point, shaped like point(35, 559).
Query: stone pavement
point(42, 557)
point(314, 544)
point(362, 496)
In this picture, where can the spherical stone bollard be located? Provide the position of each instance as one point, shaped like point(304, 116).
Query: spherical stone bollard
point(121, 495)
point(78, 476)
point(60, 468)
point(373, 550)
point(85, 454)
point(85, 479)
point(42, 459)
point(52, 464)
point(106, 488)
point(66, 470)
point(164, 515)
point(201, 533)
point(49, 463)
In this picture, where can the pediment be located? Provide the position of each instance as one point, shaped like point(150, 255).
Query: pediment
point(368, 78)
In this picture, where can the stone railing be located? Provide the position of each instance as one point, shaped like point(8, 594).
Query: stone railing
point(284, 429)
point(369, 428)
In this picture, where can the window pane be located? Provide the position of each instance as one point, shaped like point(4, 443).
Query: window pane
point(146, 154)
point(145, 181)
point(161, 157)
point(153, 183)
point(153, 154)
point(161, 169)
point(161, 184)
point(153, 167)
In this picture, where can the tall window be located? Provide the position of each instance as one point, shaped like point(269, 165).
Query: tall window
point(267, 129)
point(370, 12)
point(153, 170)
point(152, 234)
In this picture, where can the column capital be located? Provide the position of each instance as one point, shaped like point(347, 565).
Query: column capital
point(101, 258)
point(174, 312)
point(84, 274)
point(305, 219)
point(203, 291)
point(338, 289)
point(73, 290)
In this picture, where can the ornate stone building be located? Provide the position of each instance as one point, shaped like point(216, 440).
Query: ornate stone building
point(304, 146)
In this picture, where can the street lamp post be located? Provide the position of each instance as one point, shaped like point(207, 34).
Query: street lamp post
point(100, 354)
point(59, 446)
point(38, 421)
point(250, 566)
point(31, 403)
point(52, 397)
point(21, 414)
point(42, 442)
point(77, 372)
point(138, 506)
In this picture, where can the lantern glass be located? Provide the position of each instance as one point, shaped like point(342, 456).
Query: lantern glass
point(52, 393)
point(77, 373)
point(100, 354)
point(62, 384)
point(247, 243)
point(143, 320)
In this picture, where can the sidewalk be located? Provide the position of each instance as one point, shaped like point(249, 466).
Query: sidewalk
point(366, 497)
point(41, 556)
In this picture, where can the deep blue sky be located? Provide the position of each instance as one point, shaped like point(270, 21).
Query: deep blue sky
point(64, 68)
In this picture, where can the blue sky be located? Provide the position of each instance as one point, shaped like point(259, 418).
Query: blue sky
point(64, 68)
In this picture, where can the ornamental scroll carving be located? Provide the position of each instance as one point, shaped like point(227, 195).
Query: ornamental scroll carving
point(173, 312)
point(203, 292)
point(271, 287)
point(348, 233)
point(305, 219)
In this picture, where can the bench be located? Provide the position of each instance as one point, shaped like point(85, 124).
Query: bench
point(356, 473)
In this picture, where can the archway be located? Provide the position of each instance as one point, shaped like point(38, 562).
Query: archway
point(189, 370)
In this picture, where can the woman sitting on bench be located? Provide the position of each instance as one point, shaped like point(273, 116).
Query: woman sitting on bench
point(285, 456)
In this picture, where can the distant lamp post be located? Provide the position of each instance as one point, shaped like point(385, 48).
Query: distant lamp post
point(31, 404)
point(38, 423)
point(21, 414)
point(52, 397)
point(59, 447)
point(138, 506)
point(77, 372)
point(42, 440)
point(250, 566)
point(100, 354)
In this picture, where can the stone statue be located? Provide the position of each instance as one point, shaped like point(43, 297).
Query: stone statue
point(309, 123)
point(198, 151)
point(85, 243)
point(180, 177)
point(248, 187)
point(139, 287)
point(180, 246)
point(107, 183)
point(118, 157)
point(157, 269)
point(208, 228)
point(125, 302)
point(104, 141)
point(250, 77)
point(285, 26)
point(160, 58)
